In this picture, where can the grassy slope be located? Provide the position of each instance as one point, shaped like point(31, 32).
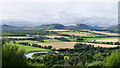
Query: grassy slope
point(29, 49)
point(29, 41)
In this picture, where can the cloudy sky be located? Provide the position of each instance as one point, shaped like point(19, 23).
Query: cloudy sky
point(64, 11)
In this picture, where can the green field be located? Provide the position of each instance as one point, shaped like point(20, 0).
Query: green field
point(29, 49)
point(45, 41)
point(29, 41)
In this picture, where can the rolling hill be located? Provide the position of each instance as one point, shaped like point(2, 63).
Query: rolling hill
point(48, 27)
point(79, 26)
point(58, 26)
point(113, 28)
point(7, 27)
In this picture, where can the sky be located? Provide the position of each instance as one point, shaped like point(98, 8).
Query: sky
point(44, 11)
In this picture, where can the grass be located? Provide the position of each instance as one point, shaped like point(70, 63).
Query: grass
point(29, 49)
point(29, 41)
point(72, 39)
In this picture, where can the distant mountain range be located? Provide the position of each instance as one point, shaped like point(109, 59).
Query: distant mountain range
point(57, 26)
point(68, 20)
point(46, 27)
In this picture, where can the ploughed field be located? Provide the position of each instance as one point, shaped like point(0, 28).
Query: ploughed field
point(76, 33)
point(70, 45)
point(55, 36)
point(108, 40)
point(101, 32)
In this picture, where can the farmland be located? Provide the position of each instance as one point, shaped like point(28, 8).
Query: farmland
point(29, 49)
point(68, 38)
point(70, 44)
point(54, 36)
point(102, 32)
point(76, 33)
point(109, 40)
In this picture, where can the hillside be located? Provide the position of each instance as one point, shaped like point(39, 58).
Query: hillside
point(7, 27)
point(113, 28)
point(79, 26)
point(49, 26)
point(59, 26)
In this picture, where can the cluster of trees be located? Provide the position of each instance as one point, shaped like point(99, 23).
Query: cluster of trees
point(62, 39)
point(88, 55)
point(49, 60)
point(35, 45)
point(79, 39)
point(10, 39)
point(64, 35)
point(40, 39)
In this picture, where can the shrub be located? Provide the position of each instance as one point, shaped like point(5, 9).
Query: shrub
point(96, 63)
point(114, 59)
point(12, 56)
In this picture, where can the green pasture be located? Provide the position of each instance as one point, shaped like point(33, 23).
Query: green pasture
point(29, 49)
point(29, 41)
point(45, 41)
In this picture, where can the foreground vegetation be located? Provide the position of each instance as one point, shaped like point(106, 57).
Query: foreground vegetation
point(81, 55)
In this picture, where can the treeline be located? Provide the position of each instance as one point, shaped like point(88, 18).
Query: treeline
point(13, 35)
point(28, 32)
point(34, 45)
point(111, 43)
point(40, 39)
point(62, 39)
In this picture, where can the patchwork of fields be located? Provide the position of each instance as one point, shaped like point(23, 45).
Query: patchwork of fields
point(60, 44)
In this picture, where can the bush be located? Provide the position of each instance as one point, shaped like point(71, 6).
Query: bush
point(12, 56)
point(96, 63)
point(114, 59)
